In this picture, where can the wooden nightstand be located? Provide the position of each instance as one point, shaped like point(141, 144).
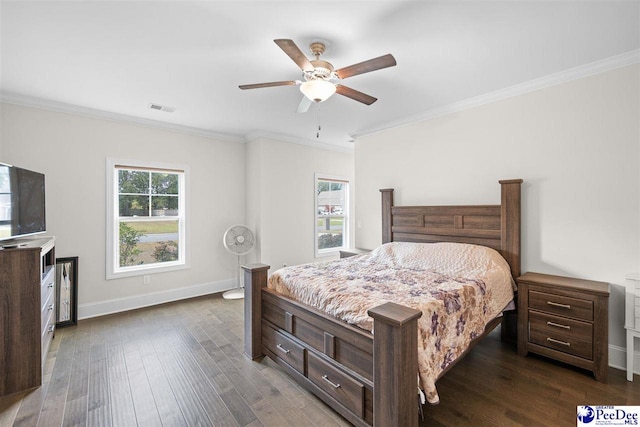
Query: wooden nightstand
point(565, 319)
point(346, 253)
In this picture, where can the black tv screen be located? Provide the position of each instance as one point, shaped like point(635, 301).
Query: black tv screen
point(22, 202)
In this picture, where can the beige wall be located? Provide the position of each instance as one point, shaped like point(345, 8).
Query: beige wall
point(71, 151)
point(576, 145)
point(280, 203)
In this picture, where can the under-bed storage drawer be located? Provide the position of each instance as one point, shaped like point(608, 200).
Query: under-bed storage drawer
point(283, 347)
point(335, 383)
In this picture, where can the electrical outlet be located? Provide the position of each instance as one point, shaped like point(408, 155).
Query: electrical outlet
point(146, 279)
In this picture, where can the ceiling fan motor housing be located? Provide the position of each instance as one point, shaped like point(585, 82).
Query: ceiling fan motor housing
point(322, 70)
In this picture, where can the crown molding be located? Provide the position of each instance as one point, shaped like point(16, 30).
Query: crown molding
point(257, 135)
point(597, 67)
point(28, 101)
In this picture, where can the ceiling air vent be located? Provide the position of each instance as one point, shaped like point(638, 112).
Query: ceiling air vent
point(164, 108)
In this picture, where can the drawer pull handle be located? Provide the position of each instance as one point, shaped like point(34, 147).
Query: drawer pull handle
point(568, 344)
point(558, 325)
point(326, 378)
point(50, 328)
point(555, 304)
point(281, 348)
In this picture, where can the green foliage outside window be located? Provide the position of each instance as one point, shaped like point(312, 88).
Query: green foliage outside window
point(166, 251)
point(328, 240)
point(128, 245)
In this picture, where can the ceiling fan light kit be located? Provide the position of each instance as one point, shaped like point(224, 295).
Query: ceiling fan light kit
point(318, 90)
point(318, 74)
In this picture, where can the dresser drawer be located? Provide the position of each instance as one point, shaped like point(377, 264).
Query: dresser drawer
point(283, 347)
point(47, 309)
point(564, 343)
point(562, 305)
point(46, 287)
point(47, 335)
point(550, 324)
point(337, 384)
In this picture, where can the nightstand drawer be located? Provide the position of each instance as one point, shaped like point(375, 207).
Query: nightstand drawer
point(283, 347)
point(335, 383)
point(561, 305)
point(555, 325)
point(564, 343)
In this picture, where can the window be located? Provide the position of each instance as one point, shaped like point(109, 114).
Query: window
point(146, 218)
point(332, 206)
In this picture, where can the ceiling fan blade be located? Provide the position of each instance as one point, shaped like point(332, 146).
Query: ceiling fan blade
point(355, 95)
point(364, 67)
point(294, 52)
point(270, 84)
point(305, 103)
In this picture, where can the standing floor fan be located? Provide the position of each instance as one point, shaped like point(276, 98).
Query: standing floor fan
point(238, 240)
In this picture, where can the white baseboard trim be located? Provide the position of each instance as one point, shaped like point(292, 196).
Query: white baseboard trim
point(102, 308)
point(618, 359)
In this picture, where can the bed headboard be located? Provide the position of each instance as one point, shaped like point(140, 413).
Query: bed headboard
point(495, 226)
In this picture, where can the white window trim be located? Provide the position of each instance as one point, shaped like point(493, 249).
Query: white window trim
point(112, 272)
point(322, 253)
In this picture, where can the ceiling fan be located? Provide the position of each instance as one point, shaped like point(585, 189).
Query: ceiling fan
point(319, 75)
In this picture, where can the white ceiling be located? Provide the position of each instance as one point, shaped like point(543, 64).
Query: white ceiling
point(120, 56)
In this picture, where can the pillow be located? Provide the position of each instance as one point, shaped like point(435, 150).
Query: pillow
point(453, 259)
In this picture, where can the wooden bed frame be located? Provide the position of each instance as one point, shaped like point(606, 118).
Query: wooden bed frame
point(372, 379)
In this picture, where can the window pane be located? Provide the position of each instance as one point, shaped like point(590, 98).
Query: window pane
point(322, 186)
point(136, 182)
point(148, 242)
point(164, 183)
point(329, 240)
point(331, 196)
point(133, 206)
point(331, 201)
point(164, 205)
point(330, 231)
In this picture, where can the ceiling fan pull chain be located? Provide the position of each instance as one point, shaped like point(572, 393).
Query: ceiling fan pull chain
point(319, 127)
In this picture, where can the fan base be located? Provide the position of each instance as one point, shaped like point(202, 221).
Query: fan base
point(234, 294)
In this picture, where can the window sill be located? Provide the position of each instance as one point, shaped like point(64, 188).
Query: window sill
point(144, 270)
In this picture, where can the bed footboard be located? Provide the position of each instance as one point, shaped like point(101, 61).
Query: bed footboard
point(375, 380)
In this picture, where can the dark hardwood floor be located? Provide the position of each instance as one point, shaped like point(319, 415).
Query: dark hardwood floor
point(181, 364)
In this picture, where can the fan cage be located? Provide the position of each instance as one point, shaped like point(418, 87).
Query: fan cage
point(239, 240)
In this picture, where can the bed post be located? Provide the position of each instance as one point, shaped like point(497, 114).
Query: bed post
point(395, 365)
point(510, 223)
point(387, 204)
point(255, 278)
point(510, 244)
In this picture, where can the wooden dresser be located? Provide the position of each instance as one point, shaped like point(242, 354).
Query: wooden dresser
point(565, 319)
point(27, 312)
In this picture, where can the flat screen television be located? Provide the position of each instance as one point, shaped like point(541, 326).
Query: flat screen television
point(22, 202)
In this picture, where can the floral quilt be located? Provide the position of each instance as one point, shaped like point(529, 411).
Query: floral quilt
point(458, 287)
